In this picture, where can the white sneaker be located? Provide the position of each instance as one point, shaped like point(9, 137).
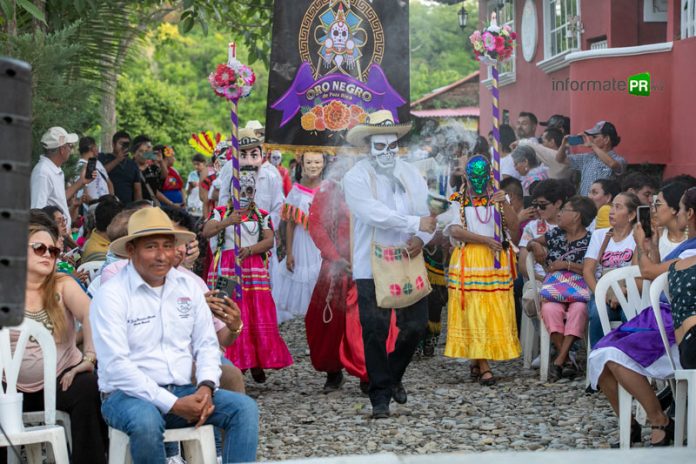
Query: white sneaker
point(176, 460)
point(536, 363)
point(219, 460)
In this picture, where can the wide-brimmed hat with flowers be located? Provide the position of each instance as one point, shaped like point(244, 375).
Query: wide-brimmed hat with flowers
point(379, 122)
point(147, 222)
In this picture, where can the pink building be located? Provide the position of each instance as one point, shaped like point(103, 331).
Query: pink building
point(574, 57)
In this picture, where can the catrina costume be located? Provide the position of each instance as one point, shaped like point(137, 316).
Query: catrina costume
point(481, 308)
point(259, 345)
point(293, 290)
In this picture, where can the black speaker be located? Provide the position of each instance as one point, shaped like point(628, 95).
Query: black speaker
point(15, 170)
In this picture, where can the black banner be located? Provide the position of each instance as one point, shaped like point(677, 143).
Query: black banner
point(332, 63)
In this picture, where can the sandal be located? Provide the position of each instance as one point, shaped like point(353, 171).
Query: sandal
point(669, 433)
point(474, 372)
point(489, 382)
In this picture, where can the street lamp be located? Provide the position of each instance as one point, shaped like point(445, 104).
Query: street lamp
point(463, 17)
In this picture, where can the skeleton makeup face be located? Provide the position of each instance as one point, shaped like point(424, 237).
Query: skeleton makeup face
point(383, 149)
point(276, 158)
point(251, 157)
point(247, 188)
point(312, 165)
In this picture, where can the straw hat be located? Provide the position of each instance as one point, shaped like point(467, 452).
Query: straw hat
point(248, 139)
point(146, 222)
point(379, 122)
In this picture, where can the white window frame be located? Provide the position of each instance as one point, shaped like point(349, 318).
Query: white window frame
point(553, 62)
point(688, 18)
point(509, 76)
point(651, 16)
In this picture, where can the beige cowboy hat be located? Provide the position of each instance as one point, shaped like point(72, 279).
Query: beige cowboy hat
point(248, 139)
point(146, 222)
point(379, 122)
point(255, 125)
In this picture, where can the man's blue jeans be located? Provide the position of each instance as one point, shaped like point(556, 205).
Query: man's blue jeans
point(596, 331)
point(144, 424)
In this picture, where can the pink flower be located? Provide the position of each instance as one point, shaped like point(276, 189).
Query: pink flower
point(488, 41)
point(513, 35)
point(475, 37)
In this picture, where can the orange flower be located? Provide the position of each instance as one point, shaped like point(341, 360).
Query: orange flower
point(308, 121)
point(318, 111)
point(336, 116)
point(355, 111)
point(320, 125)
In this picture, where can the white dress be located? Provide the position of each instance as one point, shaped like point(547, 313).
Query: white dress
point(292, 291)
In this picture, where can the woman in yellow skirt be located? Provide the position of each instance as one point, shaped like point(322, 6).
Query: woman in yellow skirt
point(481, 310)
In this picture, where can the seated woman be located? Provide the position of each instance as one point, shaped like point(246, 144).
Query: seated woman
point(602, 193)
point(610, 249)
point(565, 315)
point(56, 301)
point(528, 167)
point(616, 360)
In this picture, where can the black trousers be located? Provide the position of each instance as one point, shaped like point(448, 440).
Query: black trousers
point(385, 370)
point(81, 401)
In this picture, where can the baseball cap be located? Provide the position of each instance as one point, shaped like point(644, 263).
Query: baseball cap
point(56, 137)
point(602, 127)
point(558, 121)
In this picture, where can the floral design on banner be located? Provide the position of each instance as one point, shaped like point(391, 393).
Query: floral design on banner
point(334, 116)
point(494, 44)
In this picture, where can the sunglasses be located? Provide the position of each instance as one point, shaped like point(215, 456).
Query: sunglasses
point(40, 249)
point(540, 206)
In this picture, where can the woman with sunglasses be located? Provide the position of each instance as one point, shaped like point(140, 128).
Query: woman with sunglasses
point(610, 249)
point(634, 351)
point(56, 301)
point(547, 198)
point(564, 315)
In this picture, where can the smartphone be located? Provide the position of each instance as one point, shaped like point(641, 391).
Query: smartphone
point(575, 140)
point(91, 167)
point(644, 218)
point(226, 287)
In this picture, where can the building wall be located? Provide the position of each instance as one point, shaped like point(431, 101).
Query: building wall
point(683, 121)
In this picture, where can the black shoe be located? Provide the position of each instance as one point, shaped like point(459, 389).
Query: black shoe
point(258, 375)
point(334, 381)
point(365, 387)
point(380, 411)
point(399, 393)
point(636, 435)
point(669, 434)
point(555, 372)
point(569, 371)
point(590, 391)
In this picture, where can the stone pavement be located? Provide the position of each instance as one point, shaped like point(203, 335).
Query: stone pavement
point(446, 412)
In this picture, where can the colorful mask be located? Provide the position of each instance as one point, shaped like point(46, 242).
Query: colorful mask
point(247, 188)
point(478, 172)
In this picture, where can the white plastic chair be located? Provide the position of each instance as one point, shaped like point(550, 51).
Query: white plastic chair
point(528, 328)
point(198, 445)
point(632, 303)
point(92, 267)
point(684, 384)
point(33, 437)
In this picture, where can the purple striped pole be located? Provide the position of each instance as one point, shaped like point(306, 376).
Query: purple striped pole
point(234, 200)
point(496, 158)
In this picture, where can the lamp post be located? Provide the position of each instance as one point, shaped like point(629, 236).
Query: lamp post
point(463, 17)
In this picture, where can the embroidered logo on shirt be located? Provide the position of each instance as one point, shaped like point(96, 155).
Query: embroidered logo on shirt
point(184, 306)
point(140, 320)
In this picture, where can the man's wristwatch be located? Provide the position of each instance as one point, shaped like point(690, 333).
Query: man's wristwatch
point(208, 383)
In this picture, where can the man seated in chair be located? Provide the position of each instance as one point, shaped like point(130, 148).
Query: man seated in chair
point(150, 324)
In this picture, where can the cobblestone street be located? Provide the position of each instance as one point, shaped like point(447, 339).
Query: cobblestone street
point(446, 411)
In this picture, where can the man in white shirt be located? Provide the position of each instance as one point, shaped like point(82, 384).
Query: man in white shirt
point(388, 200)
point(150, 324)
point(47, 178)
point(102, 184)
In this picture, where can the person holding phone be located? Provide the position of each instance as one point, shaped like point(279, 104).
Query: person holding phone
point(88, 158)
point(599, 163)
point(259, 346)
point(123, 171)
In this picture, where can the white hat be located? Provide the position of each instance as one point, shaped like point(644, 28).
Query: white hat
point(56, 137)
point(379, 122)
point(254, 124)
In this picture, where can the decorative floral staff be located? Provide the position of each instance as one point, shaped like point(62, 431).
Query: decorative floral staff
point(492, 46)
point(233, 81)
